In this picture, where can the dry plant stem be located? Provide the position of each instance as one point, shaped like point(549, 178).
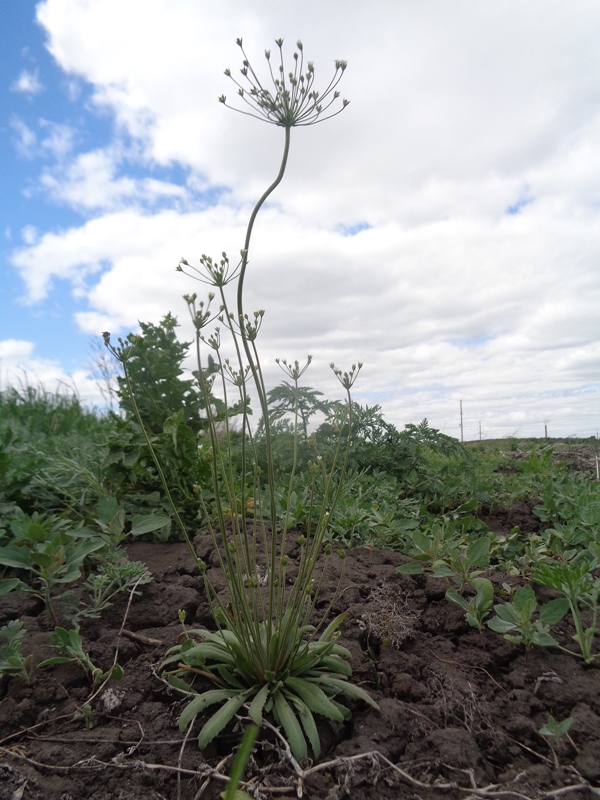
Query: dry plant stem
point(141, 639)
point(206, 783)
point(180, 759)
point(214, 772)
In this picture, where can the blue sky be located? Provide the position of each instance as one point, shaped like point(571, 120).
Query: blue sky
point(443, 230)
point(36, 100)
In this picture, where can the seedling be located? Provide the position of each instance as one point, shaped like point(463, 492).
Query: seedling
point(70, 643)
point(554, 731)
point(515, 619)
point(12, 661)
point(87, 714)
point(477, 608)
point(109, 580)
point(465, 564)
point(575, 581)
point(48, 552)
point(430, 548)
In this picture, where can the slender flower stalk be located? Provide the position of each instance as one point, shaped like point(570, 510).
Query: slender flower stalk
point(266, 652)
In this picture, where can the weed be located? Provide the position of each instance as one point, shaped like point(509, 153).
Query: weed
point(49, 550)
point(70, 644)
point(12, 661)
point(553, 732)
point(574, 579)
point(478, 607)
point(265, 652)
point(515, 619)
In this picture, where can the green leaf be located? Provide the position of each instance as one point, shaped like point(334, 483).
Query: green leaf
point(525, 601)
point(258, 704)
point(453, 595)
point(441, 570)
point(412, 568)
point(148, 523)
point(485, 592)
point(544, 639)
point(202, 701)
point(36, 533)
point(117, 673)
point(178, 684)
point(220, 719)
point(50, 662)
point(500, 625)
point(508, 613)
point(335, 664)
point(310, 729)
point(111, 515)
point(350, 690)
point(287, 719)
point(332, 627)
point(42, 560)
point(314, 697)
point(200, 652)
point(554, 611)
point(17, 557)
point(8, 584)
point(239, 765)
point(479, 552)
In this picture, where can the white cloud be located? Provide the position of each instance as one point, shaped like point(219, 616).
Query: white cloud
point(21, 368)
point(470, 149)
point(28, 83)
point(89, 182)
point(58, 141)
point(30, 234)
point(24, 138)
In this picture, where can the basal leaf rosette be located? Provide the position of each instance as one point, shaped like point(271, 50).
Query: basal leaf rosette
point(309, 677)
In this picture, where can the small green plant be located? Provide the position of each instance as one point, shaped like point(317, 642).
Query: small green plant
point(431, 548)
point(109, 580)
point(574, 579)
point(71, 645)
point(115, 526)
point(12, 660)
point(515, 619)
point(464, 563)
point(554, 731)
point(87, 714)
point(444, 551)
point(478, 607)
point(50, 551)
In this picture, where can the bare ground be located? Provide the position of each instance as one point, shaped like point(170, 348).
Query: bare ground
point(459, 716)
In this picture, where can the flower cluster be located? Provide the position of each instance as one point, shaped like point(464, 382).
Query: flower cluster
point(293, 101)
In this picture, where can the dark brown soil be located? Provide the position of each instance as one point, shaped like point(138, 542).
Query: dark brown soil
point(459, 717)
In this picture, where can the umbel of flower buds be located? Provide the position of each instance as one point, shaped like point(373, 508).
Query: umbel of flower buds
point(287, 100)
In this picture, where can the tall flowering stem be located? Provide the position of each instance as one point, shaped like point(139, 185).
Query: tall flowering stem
point(266, 652)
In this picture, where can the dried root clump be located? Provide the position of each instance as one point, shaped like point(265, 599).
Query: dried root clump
point(392, 623)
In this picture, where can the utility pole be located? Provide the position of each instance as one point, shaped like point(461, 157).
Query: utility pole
point(461, 423)
point(479, 430)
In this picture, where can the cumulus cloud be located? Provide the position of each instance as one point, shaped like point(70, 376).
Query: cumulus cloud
point(27, 83)
point(24, 138)
point(21, 368)
point(443, 229)
point(90, 182)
